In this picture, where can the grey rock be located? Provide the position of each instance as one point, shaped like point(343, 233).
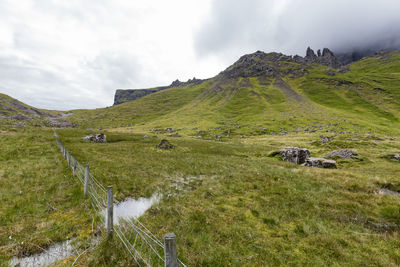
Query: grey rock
point(343, 153)
point(165, 144)
point(396, 156)
point(19, 117)
point(295, 155)
point(170, 130)
point(325, 139)
point(320, 163)
point(97, 138)
point(327, 58)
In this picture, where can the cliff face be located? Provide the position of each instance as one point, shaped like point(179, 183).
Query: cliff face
point(125, 95)
point(122, 96)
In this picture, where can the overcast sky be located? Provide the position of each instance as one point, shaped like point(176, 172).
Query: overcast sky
point(75, 54)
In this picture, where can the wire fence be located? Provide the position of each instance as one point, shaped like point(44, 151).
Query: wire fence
point(139, 241)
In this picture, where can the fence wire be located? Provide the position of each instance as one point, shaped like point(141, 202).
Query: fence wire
point(141, 243)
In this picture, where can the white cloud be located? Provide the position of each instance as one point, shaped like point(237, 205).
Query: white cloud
point(289, 26)
point(74, 54)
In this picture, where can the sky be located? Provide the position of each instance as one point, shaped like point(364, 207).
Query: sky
point(74, 54)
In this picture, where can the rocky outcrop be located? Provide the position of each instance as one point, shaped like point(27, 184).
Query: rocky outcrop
point(327, 58)
point(165, 144)
point(396, 156)
point(97, 138)
point(343, 153)
point(295, 155)
point(320, 163)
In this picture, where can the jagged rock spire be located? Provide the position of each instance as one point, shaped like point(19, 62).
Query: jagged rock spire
point(310, 53)
point(327, 58)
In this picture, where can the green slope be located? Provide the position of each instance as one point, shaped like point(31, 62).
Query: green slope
point(366, 96)
point(17, 113)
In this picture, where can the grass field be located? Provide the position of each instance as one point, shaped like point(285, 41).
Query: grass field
point(229, 203)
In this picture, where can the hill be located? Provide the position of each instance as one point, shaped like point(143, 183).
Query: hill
point(269, 93)
point(15, 113)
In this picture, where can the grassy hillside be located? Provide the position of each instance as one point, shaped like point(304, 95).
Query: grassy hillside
point(364, 97)
point(42, 203)
point(16, 113)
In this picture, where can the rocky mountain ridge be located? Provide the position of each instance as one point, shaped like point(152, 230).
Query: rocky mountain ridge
point(251, 65)
point(14, 112)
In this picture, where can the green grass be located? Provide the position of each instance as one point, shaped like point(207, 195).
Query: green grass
point(242, 207)
point(33, 177)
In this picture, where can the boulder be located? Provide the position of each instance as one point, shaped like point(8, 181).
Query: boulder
point(295, 155)
point(165, 144)
point(98, 138)
point(396, 156)
point(343, 153)
point(320, 163)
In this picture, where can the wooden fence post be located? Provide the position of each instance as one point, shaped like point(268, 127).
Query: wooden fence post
point(109, 211)
point(69, 160)
point(171, 259)
point(86, 183)
point(74, 166)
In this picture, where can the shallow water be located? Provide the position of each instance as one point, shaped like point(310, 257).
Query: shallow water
point(384, 191)
point(52, 254)
point(133, 208)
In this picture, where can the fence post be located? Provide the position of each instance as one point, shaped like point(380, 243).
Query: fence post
point(69, 160)
point(74, 166)
point(109, 211)
point(171, 259)
point(86, 183)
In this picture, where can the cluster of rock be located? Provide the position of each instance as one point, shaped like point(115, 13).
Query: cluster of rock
point(97, 138)
point(165, 144)
point(302, 156)
point(178, 83)
point(327, 58)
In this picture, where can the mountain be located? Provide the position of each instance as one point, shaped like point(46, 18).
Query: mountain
point(14, 112)
point(253, 65)
point(270, 93)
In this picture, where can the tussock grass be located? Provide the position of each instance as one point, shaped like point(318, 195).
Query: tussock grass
point(231, 204)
